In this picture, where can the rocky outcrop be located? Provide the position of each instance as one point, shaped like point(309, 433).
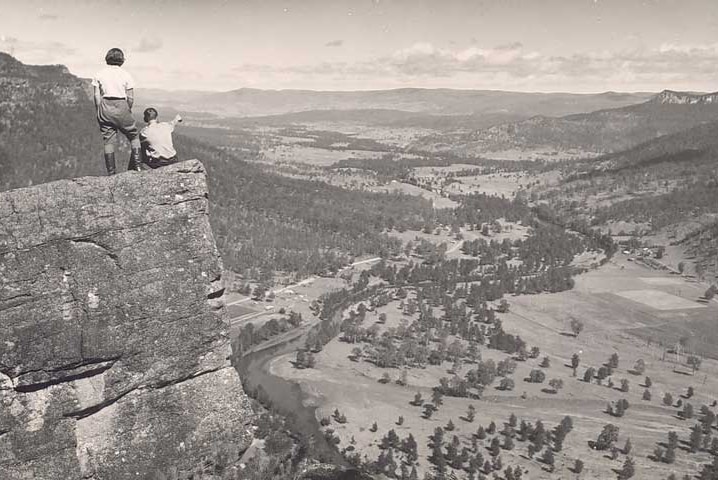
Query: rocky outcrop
point(113, 346)
point(670, 97)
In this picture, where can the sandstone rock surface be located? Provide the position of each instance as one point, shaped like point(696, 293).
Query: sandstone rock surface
point(113, 344)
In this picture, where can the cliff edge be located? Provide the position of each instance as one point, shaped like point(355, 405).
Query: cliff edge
point(113, 344)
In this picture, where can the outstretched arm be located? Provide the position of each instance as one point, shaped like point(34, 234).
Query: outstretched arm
point(176, 120)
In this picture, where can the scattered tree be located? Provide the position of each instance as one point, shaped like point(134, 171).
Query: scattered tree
point(624, 385)
point(628, 470)
point(687, 411)
point(576, 327)
point(607, 437)
point(470, 413)
point(575, 360)
point(639, 367)
point(556, 384)
point(506, 384)
point(536, 376)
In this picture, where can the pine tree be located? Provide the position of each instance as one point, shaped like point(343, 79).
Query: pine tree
point(492, 428)
point(695, 438)
point(548, 457)
point(495, 447)
point(628, 470)
point(672, 439)
point(471, 413)
point(575, 361)
point(669, 456)
point(438, 460)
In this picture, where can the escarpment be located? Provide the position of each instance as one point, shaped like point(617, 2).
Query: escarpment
point(113, 345)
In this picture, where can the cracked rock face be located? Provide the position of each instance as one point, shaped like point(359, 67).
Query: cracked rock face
point(113, 345)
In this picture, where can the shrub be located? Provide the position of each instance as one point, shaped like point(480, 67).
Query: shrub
point(536, 376)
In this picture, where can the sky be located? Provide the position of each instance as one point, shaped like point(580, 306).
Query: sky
point(523, 45)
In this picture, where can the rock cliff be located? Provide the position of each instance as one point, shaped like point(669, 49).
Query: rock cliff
point(685, 98)
point(113, 345)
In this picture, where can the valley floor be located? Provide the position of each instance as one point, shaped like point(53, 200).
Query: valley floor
point(626, 308)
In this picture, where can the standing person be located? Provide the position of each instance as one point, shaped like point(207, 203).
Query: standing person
point(114, 96)
point(156, 139)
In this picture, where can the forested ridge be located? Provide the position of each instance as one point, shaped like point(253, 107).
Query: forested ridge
point(48, 129)
point(267, 221)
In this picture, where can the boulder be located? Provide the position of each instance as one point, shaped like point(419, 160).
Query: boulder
point(113, 343)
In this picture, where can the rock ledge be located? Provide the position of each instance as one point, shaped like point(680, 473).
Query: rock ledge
point(113, 343)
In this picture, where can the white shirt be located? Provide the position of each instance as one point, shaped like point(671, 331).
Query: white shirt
point(157, 138)
point(113, 81)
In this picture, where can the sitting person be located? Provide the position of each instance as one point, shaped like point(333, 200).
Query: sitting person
point(156, 139)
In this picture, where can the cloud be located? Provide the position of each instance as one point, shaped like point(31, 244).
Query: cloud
point(148, 44)
point(512, 65)
point(36, 52)
point(334, 43)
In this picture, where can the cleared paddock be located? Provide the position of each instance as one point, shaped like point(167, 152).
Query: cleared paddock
point(659, 300)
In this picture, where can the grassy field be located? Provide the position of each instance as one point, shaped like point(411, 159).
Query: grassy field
point(407, 189)
point(633, 326)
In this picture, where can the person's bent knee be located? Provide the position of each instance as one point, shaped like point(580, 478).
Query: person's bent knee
point(109, 147)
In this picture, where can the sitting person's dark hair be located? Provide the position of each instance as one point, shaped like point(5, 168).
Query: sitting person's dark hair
point(115, 56)
point(150, 114)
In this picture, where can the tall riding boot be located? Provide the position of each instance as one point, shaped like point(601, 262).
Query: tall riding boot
point(135, 161)
point(110, 163)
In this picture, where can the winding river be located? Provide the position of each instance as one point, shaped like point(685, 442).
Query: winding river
point(286, 396)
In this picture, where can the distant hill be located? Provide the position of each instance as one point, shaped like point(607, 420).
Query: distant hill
point(607, 130)
point(248, 102)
